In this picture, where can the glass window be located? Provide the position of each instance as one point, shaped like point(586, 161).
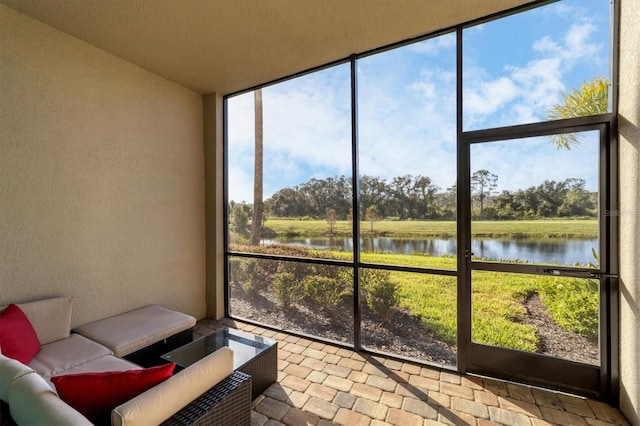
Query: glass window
point(302, 297)
point(553, 316)
point(407, 154)
point(409, 314)
point(526, 67)
point(533, 202)
point(292, 256)
point(306, 165)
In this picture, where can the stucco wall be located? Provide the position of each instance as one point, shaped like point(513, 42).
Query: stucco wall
point(630, 210)
point(101, 178)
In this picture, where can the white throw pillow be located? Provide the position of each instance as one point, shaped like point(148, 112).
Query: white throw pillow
point(51, 318)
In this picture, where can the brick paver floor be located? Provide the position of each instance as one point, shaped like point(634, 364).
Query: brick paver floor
point(321, 384)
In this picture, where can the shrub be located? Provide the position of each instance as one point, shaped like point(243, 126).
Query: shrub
point(298, 270)
point(250, 284)
point(329, 271)
point(235, 238)
point(236, 271)
point(379, 292)
point(291, 232)
point(325, 291)
point(286, 250)
point(240, 220)
point(248, 274)
point(268, 233)
point(287, 289)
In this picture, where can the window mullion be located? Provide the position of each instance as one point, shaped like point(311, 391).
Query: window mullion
point(355, 217)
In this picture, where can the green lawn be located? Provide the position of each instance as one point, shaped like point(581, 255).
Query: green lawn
point(497, 298)
point(583, 228)
point(497, 301)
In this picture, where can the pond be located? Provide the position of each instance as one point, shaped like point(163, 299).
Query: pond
point(556, 251)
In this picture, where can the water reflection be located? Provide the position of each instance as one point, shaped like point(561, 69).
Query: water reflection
point(556, 251)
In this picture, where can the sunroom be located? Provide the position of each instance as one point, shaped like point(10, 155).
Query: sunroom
point(432, 131)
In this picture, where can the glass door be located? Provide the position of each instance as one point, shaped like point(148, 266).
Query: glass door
point(538, 256)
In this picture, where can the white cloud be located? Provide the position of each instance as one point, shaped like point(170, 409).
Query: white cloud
point(547, 45)
point(541, 162)
point(540, 85)
point(240, 120)
point(578, 43)
point(307, 133)
point(561, 9)
point(434, 45)
point(407, 115)
point(523, 93)
point(486, 97)
point(427, 91)
point(409, 129)
point(242, 184)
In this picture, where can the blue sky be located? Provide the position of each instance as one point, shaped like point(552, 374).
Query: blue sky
point(514, 69)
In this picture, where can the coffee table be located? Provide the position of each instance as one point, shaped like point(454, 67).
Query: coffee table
point(254, 355)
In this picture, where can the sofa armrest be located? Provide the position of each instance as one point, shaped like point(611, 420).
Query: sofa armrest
point(226, 404)
point(10, 370)
point(163, 400)
point(33, 402)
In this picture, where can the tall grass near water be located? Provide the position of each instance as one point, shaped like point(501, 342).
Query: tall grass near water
point(514, 229)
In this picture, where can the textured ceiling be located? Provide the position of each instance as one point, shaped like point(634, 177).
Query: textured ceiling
point(228, 45)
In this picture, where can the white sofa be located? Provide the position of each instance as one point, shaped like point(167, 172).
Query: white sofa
point(33, 400)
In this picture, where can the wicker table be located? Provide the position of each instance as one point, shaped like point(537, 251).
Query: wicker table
point(254, 355)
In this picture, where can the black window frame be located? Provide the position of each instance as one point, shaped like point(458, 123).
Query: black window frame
point(608, 272)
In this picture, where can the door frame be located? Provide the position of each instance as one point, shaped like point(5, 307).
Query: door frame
point(594, 381)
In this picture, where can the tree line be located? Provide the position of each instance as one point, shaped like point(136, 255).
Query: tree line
point(416, 197)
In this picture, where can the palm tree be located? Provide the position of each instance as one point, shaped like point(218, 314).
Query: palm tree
point(258, 205)
point(590, 98)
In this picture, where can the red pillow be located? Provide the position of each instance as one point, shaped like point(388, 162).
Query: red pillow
point(18, 339)
point(96, 394)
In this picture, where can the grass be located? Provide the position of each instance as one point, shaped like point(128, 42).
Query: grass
point(497, 301)
point(497, 297)
point(556, 228)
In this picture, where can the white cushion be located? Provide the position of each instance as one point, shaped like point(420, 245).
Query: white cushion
point(104, 363)
point(167, 398)
point(128, 332)
point(33, 402)
point(98, 365)
point(62, 355)
point(51, 318)
point(10, 370)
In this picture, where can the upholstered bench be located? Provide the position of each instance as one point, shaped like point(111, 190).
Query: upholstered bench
point(141, 335)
